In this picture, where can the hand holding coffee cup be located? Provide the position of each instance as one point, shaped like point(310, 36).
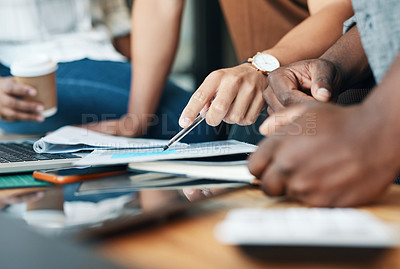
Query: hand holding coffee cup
point(31, 95)
point(12, 105)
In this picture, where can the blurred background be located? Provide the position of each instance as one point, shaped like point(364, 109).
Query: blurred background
point(205, 44)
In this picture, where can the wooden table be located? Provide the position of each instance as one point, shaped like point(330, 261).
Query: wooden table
point(189, 242)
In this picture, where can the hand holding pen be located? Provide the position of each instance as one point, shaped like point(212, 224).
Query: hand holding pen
point(235, 96)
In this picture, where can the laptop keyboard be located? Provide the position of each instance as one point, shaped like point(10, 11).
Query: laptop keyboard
point(23, 152)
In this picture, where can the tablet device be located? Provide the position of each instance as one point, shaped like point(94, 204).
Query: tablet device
point(62, 213)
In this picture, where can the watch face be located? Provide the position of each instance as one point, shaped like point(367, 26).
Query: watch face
point(266, 62)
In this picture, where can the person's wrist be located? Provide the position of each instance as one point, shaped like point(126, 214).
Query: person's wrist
point(250, 69)
point(134, 125)
point(276, 54)
point(264, 62)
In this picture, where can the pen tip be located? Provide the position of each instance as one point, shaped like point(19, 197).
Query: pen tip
point(165, 148)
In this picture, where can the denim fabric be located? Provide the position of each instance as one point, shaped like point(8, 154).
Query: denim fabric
point(91, 90)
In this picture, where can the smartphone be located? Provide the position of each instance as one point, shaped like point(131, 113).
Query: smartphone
point(77, 174)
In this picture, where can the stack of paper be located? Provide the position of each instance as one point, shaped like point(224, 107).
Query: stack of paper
point(73, 139)
point(147, 154)
point(195, 150)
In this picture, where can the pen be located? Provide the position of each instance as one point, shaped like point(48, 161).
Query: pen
point(185, 131)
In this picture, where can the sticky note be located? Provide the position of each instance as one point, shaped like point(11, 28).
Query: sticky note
point(141, 154)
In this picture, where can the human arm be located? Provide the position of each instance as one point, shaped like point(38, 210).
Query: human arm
point(237, 91)
point(155, 36)
point(123, 45)
point(156, 26)
point(330, 155)
point(312, 37)
point(344, 64)
point(335, 156)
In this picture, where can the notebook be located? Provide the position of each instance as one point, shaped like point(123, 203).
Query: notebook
point(217, 168)
point(20, 157)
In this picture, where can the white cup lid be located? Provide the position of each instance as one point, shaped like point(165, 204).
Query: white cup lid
point(33, 66)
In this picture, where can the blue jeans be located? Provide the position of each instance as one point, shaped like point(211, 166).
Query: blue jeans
point(91, 91)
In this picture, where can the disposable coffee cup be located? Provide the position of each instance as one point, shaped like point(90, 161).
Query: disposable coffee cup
point(38, 71)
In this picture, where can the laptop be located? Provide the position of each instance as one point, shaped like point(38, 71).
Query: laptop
point(19, 156)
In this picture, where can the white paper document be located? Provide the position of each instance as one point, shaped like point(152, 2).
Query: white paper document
point(195, 150)
point(235, 171)
point(73, 139)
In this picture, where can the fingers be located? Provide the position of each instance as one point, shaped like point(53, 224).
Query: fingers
point(13, 115)
point(321, 94)
point(273, 163)
point(199, 99)
point(246, 108)
point(14, 109)
point(274, 105)
point(240, 105)
point(287, 84)
point(18, 89)
point(273, 181)
point(234, 95)
point(254, 110)
point(10, 86)
point(322, 79)
point(262, 157)
point(221, 105)
point(21, 105)
point(196, 194)
point(277, 120)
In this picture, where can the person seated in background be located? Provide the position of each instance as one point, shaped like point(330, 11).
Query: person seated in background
point(236, 92)
point(91, 41)
point(329, 155)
